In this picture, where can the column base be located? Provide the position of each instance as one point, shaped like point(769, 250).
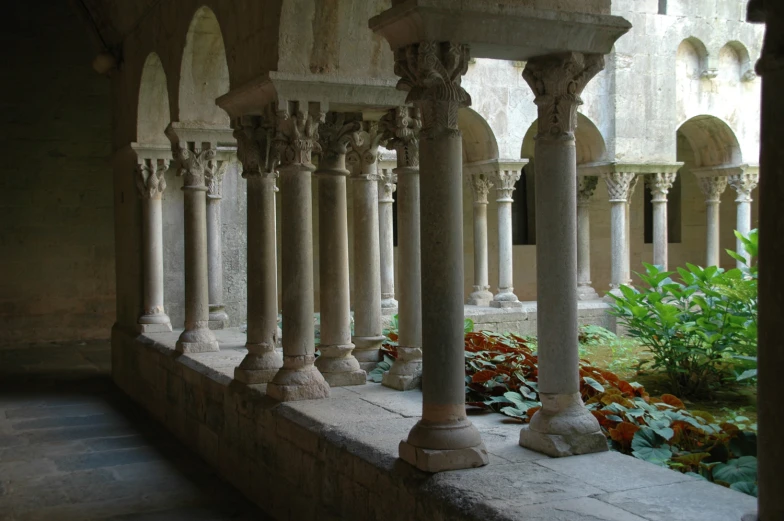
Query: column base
point(480, 298)
point(406, 373)
point(563, 427)
point(506, 304)
point(389, 306)
point(218, 318)
point(154, 323)
point(367, 351)
point(433, 460)
point(258, 368)
point(608, 298)
point(154, 328)
point(587, 293)
point(298, 379)
point(339, 367)
point(199, 340)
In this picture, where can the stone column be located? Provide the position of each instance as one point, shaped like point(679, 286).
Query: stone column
point(660, 184)
point(619, 188)
point(295, 139)
point(262, 361)
point(444, 439)
point(563, 426)
point(195, 161)
point(480, 183)
point(712, 187)
point(627, 277)
point(744, 182)
point(337, 362)
point(586, 184)
point(401, 128)
point(771, 257)
point(386, 187)
point(363, 156)
point(214, 180)
point(151, 183)
point(504, 181)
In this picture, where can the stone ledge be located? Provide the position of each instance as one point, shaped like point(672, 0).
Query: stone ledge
point(337, 458)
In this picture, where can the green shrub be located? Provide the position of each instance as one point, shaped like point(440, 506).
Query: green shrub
point(698, 329)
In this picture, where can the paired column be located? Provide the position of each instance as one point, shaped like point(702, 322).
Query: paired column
point(480, 183)
point(194, 162)
point(363, 156)
point(743, 182)
point(386, 187)
point(262, 361)
point(337, 362)
point(712, 187)
point(504, 181)
point(659, 185)
point(619, 187)
point(214, 180)
point(563, 426)
point(444, 439)
point(293, 144)
point(151, 183)
point(401, 128)
point(586, 185)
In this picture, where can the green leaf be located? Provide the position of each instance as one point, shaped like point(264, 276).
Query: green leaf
point(747, 487)
point(736, 470)
point(593, 383)
point(647, 446)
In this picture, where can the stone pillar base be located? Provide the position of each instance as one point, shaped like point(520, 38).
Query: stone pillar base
point(480, 298)
point(563, 427)
point(254, 376)
point(401, 382)
point(389, 306)
point(367, 351)
point(406, 373)
point(434, 460)
point(258, 368)
point(587, 293)
point(218, 318)
point(154, 323)
point(506, 304)
point(614, 291)
point(298, 380)
point(197, 347)
point(339, 367)
point(199, 340)
point(154, 328)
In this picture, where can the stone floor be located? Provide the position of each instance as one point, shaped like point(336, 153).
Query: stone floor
point(73, 447)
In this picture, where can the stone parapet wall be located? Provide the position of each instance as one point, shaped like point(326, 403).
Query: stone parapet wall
point(522, 321)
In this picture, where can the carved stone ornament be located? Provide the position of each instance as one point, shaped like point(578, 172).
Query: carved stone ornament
point(431, 73)
point(659, 185)
point(386, 186)
point(296, 137)
point(619, 185)
point(194, 163)
point(400, 129)
point(712, 187)
point(363, 153)
point(744, 183)
point(557, 80)
point(586, 185)
point(336, 133)
point(480, 183)
point(214, 179)
point(254, 138)
point(150, 178)
point(505, 181)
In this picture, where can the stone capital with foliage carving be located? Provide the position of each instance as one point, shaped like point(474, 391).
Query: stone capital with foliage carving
point(557, 81)
point(363, 150)
point(336, 134)
point(150, 178)
point(480, 183)
point(431, 73)
point(386, 186)
point(254, 141)
point(296, 137)
point(400, 128)
point(620, 185)
point(195, 163)
point(744, 183)
point(505, 181)
point(712, 187)
point(659, 185)
point(586, 185)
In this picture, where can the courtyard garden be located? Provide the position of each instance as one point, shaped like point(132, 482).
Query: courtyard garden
point(676, 389)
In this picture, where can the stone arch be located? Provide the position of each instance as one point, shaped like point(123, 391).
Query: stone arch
point(204, 73)
point(712, 141)
point(735, 62)
point(693, 53)
point(589, 141)
point(479, 143)
point(153, 113)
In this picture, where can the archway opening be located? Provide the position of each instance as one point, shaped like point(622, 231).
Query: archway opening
point(479, 143)
point(153, 114)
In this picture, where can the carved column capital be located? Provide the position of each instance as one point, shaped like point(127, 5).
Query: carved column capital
point(363, 152)
point(586, 185)
point(431, 72)
point(150, 178)
point(400, 128)
point(557, 80)
point(214, 179)
point(254, 141)
point(296, 136)
point(744, 183)
point(386, 186)
point(195, 162)
point(620, 185)
point(659, 185)
point(480, 183)
point(504, 181)
point(336, 134)
point(712, 187)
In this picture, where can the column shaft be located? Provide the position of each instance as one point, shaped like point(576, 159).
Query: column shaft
point(712, 244)
point(743, 183)
point(660, 240)
point(585, 189)
point(386, 187)
point(617, 243)
point(743, 225)
point(218, 317)
point(505, 184)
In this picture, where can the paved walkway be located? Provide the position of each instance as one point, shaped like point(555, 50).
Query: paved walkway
point(73, 447)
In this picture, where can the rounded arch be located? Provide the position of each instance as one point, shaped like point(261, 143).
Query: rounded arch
point(735, 62)
point(153, 113)
point(479, 143)
point(588, 141)
point(204, 73)
point(712, 141)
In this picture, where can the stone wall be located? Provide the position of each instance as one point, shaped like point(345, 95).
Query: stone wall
point(56, 236)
